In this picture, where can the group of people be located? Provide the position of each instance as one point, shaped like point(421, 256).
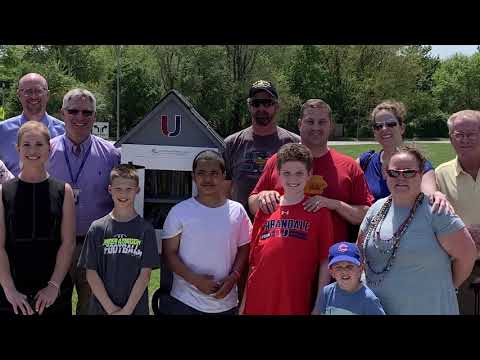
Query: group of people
point(413, 249)
point(67, 218)
point(59, 187)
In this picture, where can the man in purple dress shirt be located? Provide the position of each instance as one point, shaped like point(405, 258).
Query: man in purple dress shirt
point(84, 161)
point(33, 95)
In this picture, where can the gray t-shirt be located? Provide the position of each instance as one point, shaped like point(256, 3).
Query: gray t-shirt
point(420, 279)
point(336, 301)
point(117, 251)
point(245, 157)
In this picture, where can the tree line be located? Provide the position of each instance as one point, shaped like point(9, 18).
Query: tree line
point(216, 79)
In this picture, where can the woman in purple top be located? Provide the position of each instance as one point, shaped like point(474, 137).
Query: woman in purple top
point(388, 124)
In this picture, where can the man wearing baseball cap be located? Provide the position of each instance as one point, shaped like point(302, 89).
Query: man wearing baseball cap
point(347, 295)
point(248, 150)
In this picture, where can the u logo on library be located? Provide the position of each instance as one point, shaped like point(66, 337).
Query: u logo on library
point(176, 130)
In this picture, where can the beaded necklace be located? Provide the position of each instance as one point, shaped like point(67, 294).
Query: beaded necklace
point(388, 246)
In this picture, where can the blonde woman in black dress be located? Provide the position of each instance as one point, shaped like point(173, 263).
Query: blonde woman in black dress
point(37, 233)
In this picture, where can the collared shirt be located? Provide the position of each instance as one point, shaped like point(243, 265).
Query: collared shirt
point(461, 189)
point(94, 201)
point(8, 135)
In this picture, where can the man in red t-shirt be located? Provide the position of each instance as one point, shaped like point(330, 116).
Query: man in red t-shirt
point(337, 183)
point(289, 248)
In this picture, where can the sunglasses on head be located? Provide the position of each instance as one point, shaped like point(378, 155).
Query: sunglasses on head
point(406, 173)
point(87, 113)
point(390, 124)
point(265, 102)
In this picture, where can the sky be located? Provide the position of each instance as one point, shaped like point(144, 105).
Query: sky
point(445, 51)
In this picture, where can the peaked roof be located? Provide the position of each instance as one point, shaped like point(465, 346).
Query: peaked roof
point(209, 131)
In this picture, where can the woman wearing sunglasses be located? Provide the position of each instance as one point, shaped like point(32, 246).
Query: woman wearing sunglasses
point(388, 123)
point(414, 258)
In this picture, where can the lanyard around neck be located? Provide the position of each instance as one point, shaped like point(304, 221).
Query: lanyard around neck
point(85, 156)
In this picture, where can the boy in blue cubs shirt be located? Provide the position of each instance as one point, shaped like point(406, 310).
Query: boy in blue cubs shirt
point(119, 252)
point(347, 295)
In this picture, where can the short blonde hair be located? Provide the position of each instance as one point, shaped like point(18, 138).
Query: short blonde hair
point(124, 171)
point(36, 126)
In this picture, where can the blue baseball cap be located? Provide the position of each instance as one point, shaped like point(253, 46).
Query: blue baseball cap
point(343, 251)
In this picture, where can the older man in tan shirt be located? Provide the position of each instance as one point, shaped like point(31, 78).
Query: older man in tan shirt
point(459, 180)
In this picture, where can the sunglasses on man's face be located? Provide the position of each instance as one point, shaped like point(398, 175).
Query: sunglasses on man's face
point(406, 173)
point(265, 102)
point(390, 124)
point(86, 113)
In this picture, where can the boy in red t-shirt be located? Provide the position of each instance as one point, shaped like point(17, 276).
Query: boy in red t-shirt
point(289, 248)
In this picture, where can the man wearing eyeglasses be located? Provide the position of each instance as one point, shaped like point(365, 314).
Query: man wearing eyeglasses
point(33, 95)
point(248, 150)
point(84, 161)
point(459, 180)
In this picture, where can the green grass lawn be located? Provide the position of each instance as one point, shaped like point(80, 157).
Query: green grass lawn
point(152, 286)
point(436, 153)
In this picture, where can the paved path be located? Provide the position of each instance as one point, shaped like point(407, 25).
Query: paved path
point(365, 142)
point(374, 142)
